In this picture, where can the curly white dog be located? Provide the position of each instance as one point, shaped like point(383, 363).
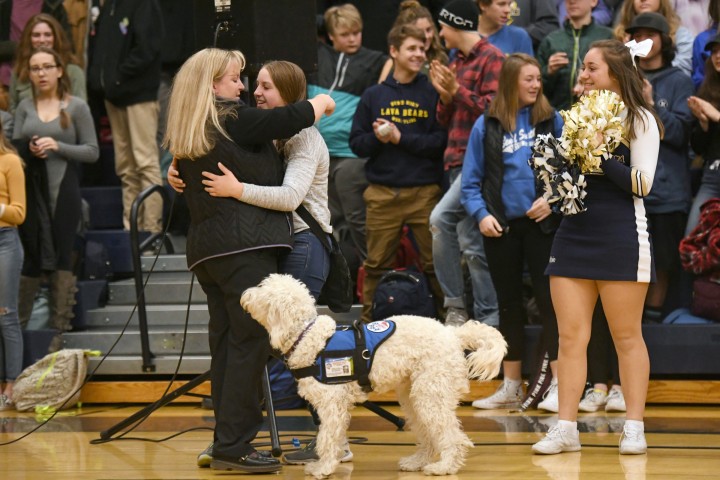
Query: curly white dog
point(424, 362)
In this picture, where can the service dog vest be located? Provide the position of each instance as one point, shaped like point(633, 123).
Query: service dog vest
point(348, 354)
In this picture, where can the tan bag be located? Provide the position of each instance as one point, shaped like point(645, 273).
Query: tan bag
point(52, 381)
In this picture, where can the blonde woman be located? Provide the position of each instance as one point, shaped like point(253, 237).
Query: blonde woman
point(232, 245)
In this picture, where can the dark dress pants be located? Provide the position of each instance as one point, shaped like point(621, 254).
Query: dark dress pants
point(239, 347)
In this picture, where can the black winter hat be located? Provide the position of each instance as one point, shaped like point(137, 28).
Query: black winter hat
point(715, 40)
point(460, 14)
point(652, 20)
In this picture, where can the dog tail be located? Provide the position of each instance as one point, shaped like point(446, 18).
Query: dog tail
point(485, 348)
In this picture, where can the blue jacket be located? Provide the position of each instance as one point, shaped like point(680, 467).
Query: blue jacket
point(700, 55)
point(670, 190)
point(518, 188)
point(417, 159)
point(511, 39)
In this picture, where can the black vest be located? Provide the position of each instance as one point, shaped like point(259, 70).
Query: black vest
point(223, 226)
point(495, 171)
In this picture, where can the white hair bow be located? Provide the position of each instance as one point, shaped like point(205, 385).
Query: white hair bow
point(639, 49)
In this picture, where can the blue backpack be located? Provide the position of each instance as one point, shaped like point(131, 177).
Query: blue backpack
point(403, 292)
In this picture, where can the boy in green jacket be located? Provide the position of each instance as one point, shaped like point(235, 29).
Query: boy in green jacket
point(561, 53)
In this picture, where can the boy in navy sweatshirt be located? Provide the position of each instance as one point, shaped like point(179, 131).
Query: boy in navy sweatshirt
point(395, 127)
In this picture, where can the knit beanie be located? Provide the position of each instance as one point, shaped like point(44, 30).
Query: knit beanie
point(460, 14)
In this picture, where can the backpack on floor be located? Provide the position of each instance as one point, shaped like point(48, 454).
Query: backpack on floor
point(407, 256)
point(403, 292)
point(54, 381)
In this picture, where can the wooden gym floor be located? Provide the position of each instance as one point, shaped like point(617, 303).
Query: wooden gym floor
point(684, 444)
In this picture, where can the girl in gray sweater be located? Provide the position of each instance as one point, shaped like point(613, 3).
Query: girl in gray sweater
point(54, 132)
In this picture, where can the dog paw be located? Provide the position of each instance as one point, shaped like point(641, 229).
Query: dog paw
point(319, 469)
point(439, 468)
point(413, 463)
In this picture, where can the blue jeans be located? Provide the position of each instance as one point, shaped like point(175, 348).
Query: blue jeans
point(308, 261)
point(11, 341)
point(709, 188)
point(456, 233)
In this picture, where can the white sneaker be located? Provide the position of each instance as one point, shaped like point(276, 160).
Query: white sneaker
point(632, 441)
point(557, 440)
point(504, 397)
point(550, 398)
point(456, 317)
point(615, 401)
point(593, 401)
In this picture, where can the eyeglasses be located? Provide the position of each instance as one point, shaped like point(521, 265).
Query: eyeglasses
point(44, 69)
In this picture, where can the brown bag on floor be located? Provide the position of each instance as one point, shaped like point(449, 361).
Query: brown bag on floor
point(53, 381)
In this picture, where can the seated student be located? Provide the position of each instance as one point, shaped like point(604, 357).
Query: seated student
point(345, 70)
point(493, 25)
point(395, 127)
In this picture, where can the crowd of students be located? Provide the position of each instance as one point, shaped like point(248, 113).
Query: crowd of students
point(434, 136)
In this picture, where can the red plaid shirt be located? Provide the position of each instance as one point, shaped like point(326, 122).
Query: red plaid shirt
point(477, 75)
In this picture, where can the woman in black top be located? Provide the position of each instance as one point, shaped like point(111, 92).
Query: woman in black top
point(232, 245)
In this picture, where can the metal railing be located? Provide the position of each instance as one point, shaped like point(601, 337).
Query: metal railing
point(137, 247)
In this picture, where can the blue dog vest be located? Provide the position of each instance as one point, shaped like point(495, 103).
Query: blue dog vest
point(348, 354)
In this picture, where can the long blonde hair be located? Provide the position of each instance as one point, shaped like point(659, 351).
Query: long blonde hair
point(193, 114)
point(506, 103)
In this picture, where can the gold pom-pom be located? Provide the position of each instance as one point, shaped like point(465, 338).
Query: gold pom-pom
point(593, 129)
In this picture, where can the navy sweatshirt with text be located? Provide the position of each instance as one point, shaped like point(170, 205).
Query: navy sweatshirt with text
point(417, 159)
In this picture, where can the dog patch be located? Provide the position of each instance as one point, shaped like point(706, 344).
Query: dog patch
point(378, 327)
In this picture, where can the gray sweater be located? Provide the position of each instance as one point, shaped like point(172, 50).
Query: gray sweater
point(77, 143)
point(306, 181)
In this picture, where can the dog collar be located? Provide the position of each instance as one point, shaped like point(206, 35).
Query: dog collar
point(300, 337)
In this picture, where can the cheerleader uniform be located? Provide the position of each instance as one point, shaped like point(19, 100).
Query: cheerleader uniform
point(610, 240)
